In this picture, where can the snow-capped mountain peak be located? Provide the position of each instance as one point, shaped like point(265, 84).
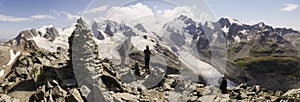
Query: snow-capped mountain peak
point(261, 24)
point(233, 21)
point(47, 37)
point(44, 28)
point(186, 19)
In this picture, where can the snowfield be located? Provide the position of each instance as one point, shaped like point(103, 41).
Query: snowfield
point(61, 41)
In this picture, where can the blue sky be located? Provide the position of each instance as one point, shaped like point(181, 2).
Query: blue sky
point(17, 15)
point(278, 13)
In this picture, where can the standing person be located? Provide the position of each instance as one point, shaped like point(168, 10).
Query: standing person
point(223, 84)
point(147, 53)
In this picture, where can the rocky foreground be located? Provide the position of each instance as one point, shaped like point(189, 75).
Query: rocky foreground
point(44, 76)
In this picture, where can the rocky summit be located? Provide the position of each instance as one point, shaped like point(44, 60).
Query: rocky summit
point(106, 63)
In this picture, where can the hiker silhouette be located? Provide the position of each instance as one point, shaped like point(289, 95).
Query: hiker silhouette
point(147, 53)
point(223, 84)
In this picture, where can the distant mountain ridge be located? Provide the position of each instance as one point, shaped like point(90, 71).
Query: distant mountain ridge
point(227, 24)
point(242, 41)
point(47, 37)
point(230, 40)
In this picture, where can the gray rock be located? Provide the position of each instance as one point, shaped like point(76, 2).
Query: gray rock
point(125, 96)
point(207, 98)
point(85, 90)
point(292, 92)
point(140, 27)
point(51, 34)
point(108, 68)
point(210, 90)
point(153, 79)
point(112, 83)
point(154, 95)
point(243, 95)
point(39, 96)
point(69, 83)
point(49, 85)
point(59, 92)
point(174, 97)
point(193, 98)
point(166, 86)
point(128, 77)
point(5, 98)
point(22, 72)
point(75, 96)
point(223, 98)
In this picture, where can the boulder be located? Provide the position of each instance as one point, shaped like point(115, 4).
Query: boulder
point(39, 96)
point(22, 72)
point(112, 83)
point(208, 98)
point(5, 98)
point(174, 97)
point(59, 92)
point(293, 92)
point(75, 96)
point(154, 95)
point(68, 83)
point(108, 68)
point(125, 96)
point(37, 71)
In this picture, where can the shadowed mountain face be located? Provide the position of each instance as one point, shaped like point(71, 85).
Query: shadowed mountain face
point(270, 55)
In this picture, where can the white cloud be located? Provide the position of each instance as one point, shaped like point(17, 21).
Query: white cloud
point(42, 17)
point(133, 12)
point(70, 16)
point(204, 16)
point(129, 13)
point(96, 10)
point(177, 11)
point(7, 18)
point(289, 7)
point(12, 19)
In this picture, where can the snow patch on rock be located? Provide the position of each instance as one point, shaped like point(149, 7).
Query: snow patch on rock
point(237, 39)
point(234, 21)
point(13, 56)
point(2, 72)
point(225, 29)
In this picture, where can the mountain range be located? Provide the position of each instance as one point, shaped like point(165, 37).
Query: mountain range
point(252, 54)
point(241, 41)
